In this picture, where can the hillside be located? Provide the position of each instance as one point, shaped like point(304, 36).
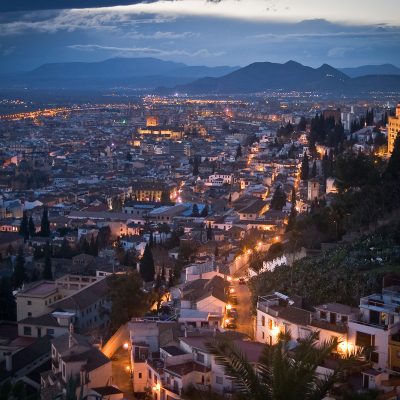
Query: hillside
point(135, 72)
point(383, 69)
point(261, 76)
point(342, 275)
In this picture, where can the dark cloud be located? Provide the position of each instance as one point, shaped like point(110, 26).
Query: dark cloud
point(35, 5)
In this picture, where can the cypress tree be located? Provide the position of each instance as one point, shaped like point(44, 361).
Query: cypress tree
point(195, 166)
point(45, 223)
point(19, 275)
point(209, 231)
point(204, 211)
point(304, 172)
point(23, 227)
point(278, 199)
point(239, 151)
point(165, 199)
point(31, 227)
point(146, 265)
point(195, 210)
point(392, 171)
point(293, 212)
point(47, 271)
point(314, 170)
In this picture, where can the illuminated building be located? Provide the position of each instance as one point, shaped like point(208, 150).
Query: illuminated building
point(393, 128)
point(150, 191)
point(151, 120)
point(161, 133)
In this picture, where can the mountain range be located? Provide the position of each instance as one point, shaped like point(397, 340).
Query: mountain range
point(264, 76)
point(128, 72)
point(383, 69)
point(149, 74)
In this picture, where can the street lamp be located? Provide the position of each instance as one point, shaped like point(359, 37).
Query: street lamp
point(126, 346)
point(157, 387)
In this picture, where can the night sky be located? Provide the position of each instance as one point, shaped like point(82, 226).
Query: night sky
point(341, 33)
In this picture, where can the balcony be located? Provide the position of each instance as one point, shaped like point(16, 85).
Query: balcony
point(362, 321)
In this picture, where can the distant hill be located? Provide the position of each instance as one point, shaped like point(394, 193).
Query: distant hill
point(383, 69)
point(134, 72)
point(262, 76)
point(149, 74)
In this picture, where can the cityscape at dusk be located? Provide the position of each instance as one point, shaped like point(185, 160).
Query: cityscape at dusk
point(199, 200)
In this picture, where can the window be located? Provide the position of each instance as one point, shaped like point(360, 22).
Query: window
point(150, 375)
point(140, 375)
point(263, 335)
point(375, 357)
point(27, 330)
point(322, 314)
point(270, 324)
point(29, 314)
point(63, 370)
point(29, 303)
point(364, 339)
point(50, 331)
point(200, 357)
point(263, 321)
point(344, 319)
point(219, 380)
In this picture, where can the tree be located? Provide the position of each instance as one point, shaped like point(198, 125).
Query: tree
point(94, 246)
point(281, 373)
point(151, 240)
point(302, 125)
point(116, 204)
point(7, 300)
point(293, 212)
point(314, 169)
point(392, 171)
point(204, 211)
point(45, 223)
point(147, 270)
point(195, 166)
point(127, 298)
point(278, 199)
point(24, 227)
point(209, 231)
point(31, 227)
point(47, 270)
point(165, 199)
point(238, 151)
point(195, 211)
point(305, 168)
point(19, 275)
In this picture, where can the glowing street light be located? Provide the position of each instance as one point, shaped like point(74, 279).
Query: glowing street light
point(126, 346)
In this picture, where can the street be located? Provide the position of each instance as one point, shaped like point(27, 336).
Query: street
point(245, 319)
point(121, 373)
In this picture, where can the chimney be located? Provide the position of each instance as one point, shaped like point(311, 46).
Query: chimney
point(8, 358)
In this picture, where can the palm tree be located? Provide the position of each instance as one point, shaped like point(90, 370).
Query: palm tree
point(282, 373)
